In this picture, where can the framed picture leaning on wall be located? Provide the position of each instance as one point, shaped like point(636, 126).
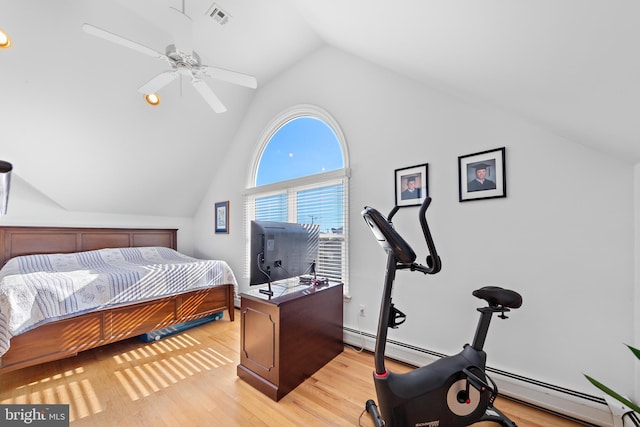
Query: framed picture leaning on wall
point(482, 175)
point(412, 185)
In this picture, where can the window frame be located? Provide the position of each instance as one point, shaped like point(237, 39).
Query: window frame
point(292, 186)
point(298, 111)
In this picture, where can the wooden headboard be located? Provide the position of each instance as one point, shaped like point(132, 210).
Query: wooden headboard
point(15, 241)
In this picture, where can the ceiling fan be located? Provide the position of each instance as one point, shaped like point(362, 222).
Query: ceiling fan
point(182, 64)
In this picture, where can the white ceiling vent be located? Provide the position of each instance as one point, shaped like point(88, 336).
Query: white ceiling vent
point(218, 15)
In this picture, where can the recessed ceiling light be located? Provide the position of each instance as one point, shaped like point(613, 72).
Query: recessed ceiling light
point(5, 41)
point(152, 99)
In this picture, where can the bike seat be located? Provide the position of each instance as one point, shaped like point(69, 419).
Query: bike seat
point(497, 296)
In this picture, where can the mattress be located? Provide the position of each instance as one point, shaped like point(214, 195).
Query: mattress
point(38, 289)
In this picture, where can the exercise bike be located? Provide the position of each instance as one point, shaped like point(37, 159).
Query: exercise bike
point(452, 391)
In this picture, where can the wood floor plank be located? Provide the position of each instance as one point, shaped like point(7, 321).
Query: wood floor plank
point(190, 379)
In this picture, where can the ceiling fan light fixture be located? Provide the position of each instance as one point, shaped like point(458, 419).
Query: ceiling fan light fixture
point(5, 40)
point(181, 65)
point(152, 99)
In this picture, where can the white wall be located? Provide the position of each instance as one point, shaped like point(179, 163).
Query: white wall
point(29, 207)
point(636, 318)
point(564, 236)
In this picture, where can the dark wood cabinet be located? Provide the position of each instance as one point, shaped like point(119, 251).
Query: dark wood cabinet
point(287, 337)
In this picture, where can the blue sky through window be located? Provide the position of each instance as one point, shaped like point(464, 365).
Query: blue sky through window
point(303, 146)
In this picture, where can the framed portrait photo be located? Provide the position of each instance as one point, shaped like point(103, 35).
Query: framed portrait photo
point(412, 185)
point(222, 217)
point(482, 175)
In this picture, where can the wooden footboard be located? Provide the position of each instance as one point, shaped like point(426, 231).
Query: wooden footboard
point(67, 337)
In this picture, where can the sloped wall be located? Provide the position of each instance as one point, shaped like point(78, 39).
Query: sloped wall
point(29, 207)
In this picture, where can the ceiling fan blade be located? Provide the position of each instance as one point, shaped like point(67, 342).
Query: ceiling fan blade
point(230, 76)
point(158, 82)
point(209, 96)
point(106, 35)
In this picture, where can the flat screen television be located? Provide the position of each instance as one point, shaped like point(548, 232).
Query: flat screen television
point(281, 250)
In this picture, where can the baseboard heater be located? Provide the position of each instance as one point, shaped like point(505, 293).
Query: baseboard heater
point(574, 405)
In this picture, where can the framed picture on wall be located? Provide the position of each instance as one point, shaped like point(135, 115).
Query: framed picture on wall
point(412, 185)
point(222, 217)
point(482, 175)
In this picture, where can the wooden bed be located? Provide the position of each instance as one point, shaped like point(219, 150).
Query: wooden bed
point(67, 337)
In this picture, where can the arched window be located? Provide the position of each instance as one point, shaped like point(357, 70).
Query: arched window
point(300, 174)
point(300, 147)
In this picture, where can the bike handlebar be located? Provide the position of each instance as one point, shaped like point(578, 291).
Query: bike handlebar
point(392, 213)
point(390, 240)
point(433, 260)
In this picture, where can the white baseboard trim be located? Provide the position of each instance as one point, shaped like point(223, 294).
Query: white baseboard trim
point(589, 410)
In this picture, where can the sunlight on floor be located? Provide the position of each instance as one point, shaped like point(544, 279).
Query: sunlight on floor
point(142, 372)
point(67, 387)
point(143, 380)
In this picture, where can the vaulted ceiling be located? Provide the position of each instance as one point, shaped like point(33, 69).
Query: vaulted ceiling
point(76, 129)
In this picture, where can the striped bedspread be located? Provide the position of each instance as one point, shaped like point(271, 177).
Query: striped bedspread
point(37, 289)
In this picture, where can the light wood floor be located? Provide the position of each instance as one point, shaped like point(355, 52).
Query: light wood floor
point(190, 379)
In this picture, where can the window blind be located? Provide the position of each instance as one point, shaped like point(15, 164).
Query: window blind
point(324, 202)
